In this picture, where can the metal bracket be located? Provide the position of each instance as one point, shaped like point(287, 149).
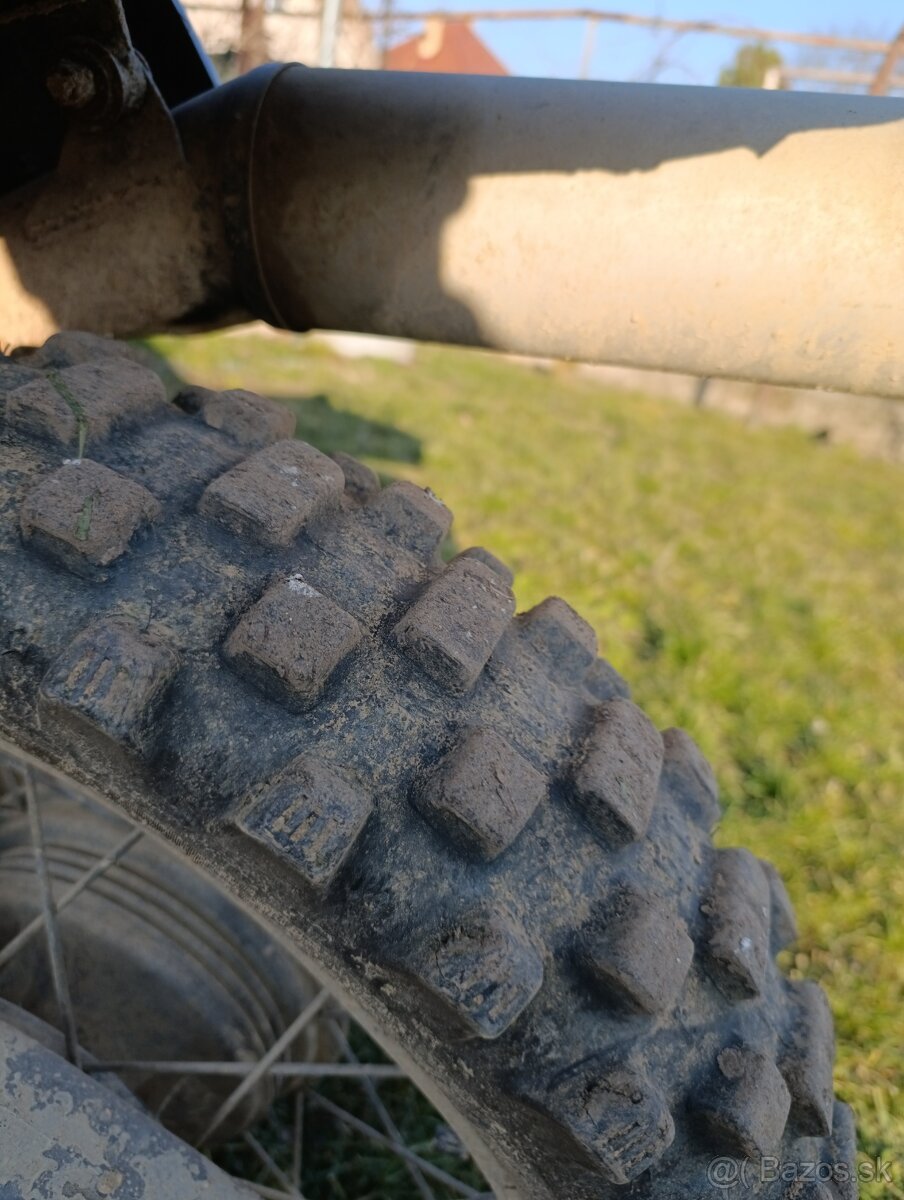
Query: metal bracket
point(120, 141)
point(102, 167)
point(69, 69)
point(110, 234)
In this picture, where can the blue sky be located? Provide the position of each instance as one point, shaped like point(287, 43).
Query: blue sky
point(554, 49)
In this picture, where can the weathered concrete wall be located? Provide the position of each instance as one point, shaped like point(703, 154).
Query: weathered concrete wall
point(870, 424)
point(292, 36)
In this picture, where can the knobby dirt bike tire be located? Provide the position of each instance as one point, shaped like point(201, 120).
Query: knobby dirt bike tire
point(457, 814)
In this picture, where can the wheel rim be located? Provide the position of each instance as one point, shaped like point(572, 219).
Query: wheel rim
point(361, 1091)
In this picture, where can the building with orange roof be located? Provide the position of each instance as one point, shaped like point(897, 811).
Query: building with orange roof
point(451, 47)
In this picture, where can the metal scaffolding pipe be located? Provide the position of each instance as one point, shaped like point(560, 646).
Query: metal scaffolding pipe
point(733, 232)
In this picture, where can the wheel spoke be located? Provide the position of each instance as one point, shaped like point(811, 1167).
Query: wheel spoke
point(11, 784)
point(12, 947)
point(279, 1046)
point(402, 1151)
point(54, 944)
point(297, 1138)
point(169, 1097)
point(275, 1170)
point(12, 789)
point(13, 797)
point(389, 1126)
point(244, 1071)
point(268, 1193)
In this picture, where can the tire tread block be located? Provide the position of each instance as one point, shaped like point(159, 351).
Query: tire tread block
point(616, 779)
point(86, 401)
point(613, 1116)
point(271, 496)
point(806, 1059)
point(482, 969)
point(452, 630)
point(480, 554)
point(746, 1105)
point(641, 953)
point(251, 420)
point(85, 515)
point(737, 908)
point(69, 348)
point(690, 779)
point(361, 483)
point(841, 1153)
point(783, 921)
point(604, 683)
point(410, 517)
point(312, 816)
point(291, 641)
point(482, 795)
point(114, 677)
point(565, 642)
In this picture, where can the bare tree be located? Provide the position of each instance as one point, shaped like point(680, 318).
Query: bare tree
point(884, 75)
point(661, 60)
point(820, 64)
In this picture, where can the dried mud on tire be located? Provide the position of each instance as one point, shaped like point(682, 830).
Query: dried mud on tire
point(456, 813)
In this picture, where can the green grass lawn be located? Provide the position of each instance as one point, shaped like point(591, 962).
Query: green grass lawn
point(748, 583)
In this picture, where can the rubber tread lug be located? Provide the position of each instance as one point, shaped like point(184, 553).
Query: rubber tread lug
point(603, 682)
point(690, 779)
point(84, 515)
point(291, 641)
point(504, 572)
point(806, 1059)
point(411, 517)
point(13, 375)
point(738, 912)
point(783, 921)
point(482, 794)
point(452, 630)
point(312, 816)
point(640, 952)
point(614, 1117)
point(83, 403)
point(361, 483)
point(250, 420)
point(564, 641)
point(482, 968)
point(616, 778)
point(841, 1153)
point(746, 1105)
point(271, 496)
point(69, 348)
point(114, 677)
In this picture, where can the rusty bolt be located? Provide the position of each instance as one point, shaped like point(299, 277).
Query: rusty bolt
point(72, 84)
